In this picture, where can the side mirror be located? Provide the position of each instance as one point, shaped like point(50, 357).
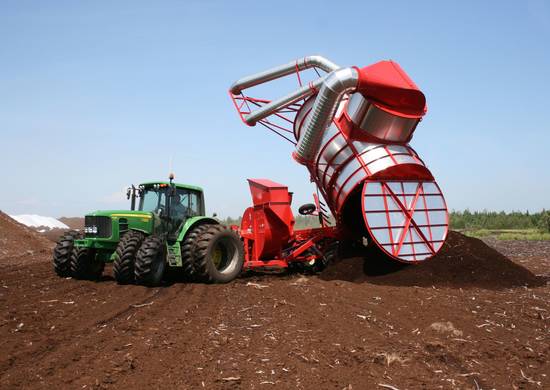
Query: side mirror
point(214, 215)
point(128, 193)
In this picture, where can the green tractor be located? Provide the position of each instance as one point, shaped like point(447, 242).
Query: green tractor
point(165, 231)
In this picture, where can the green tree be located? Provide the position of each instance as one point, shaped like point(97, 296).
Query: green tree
point(544, 221)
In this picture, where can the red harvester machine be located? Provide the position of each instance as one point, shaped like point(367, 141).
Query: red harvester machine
point(270, 241)
point(351, 129)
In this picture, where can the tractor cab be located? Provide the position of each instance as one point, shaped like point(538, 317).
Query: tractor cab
point(173, 203)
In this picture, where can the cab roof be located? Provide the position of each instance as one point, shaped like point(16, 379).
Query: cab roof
point(178, 185)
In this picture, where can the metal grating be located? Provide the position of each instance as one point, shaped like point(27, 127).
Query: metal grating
point(408, 220)
point(103, 224)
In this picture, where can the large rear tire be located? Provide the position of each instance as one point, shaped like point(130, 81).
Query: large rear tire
point(84, 265)
point(62, 253)
point(219, 255)
point(126, 251)
point(150, 262)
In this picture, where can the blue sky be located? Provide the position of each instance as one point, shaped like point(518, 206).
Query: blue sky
point(95, 95)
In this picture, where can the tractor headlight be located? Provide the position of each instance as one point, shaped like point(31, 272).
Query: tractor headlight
point(90, 229)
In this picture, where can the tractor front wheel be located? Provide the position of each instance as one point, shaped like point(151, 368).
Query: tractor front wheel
point(62, 253)
point(219, 255)
point(126, 251)
point(84, 265)
point(150, 262)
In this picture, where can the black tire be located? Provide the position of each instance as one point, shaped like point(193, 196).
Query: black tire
point(307, 209)
point(150, 262)
point(188, 250)
point(84, 265)
point(126, 252)
point(62, 253)
point(330, 255)
point(219, 255)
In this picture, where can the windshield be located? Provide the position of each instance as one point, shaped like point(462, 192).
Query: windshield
point(152, 199)
point(185, 203)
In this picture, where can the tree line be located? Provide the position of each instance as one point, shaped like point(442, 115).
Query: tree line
point(493, 220)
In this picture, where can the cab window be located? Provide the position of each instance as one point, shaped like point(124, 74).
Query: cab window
point(185, 204)
point(152, 200)
point(194, 204)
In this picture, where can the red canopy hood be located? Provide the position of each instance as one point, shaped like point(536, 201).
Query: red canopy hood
point(388, 86)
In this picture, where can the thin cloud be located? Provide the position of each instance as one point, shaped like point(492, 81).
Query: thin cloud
point(115, 197)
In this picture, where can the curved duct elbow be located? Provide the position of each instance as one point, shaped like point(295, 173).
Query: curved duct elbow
point(283, 70)
point(336, 84)
point(319, 62)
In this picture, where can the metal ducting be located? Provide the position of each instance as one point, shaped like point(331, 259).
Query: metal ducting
point(335, 85)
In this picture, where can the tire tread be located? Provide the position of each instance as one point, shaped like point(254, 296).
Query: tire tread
point(126, 251)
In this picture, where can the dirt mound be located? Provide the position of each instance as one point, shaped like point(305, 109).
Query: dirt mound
point(54, 234)
point(19, 243)
point(73, 222)
point(462, 262)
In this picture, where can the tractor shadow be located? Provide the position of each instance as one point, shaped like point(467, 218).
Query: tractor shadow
point(463, 262)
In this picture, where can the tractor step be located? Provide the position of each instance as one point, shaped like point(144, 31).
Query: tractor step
point(173, 254)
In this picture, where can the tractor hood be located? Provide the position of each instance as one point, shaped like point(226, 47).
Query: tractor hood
point(112, 224)
point(115, 214)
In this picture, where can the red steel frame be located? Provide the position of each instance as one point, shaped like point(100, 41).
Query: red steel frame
point(285, 117)
point(302, 241)
point(243, 105)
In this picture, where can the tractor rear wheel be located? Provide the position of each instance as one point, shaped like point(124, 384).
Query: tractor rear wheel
point(219, 255)
point(62, 253)
point(188, 249)
point(126, 251)
point(150, 262)
point(84, 265)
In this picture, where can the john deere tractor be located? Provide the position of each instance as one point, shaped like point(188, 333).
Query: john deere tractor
point(165, 230)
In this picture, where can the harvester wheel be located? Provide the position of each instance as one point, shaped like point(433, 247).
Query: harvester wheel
point(188, 249)
point(330, 255)
point(219, 255)
point(150, 262)
point(84, 265)
point(307, 209)
point(126, 251)
point(62, 253)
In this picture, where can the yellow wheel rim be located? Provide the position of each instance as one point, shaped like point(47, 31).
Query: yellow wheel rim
point(217, 256)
